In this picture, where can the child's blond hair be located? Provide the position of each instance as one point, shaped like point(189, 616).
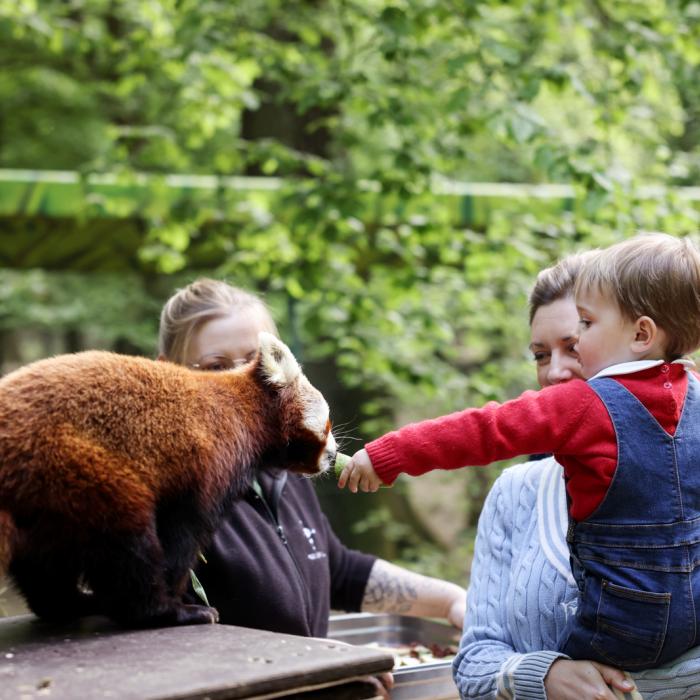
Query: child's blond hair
point(199, 302)
point(653, 275)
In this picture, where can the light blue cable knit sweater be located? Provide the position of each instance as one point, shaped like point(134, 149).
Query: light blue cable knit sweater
point(521, 591)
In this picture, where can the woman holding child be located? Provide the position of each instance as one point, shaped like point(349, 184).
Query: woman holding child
point(522, 592)
point(521, 587)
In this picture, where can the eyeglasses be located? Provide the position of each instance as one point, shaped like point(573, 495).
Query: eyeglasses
point(219, 363)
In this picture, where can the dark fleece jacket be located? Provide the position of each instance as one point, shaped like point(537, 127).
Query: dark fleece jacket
point(275, 563)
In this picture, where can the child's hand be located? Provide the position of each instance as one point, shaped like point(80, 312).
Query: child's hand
point(359, 472)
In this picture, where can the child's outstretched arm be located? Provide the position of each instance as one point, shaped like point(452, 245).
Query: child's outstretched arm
point(359, 473)
point(550, 420)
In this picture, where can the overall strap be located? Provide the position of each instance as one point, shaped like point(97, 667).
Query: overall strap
point(646, 474)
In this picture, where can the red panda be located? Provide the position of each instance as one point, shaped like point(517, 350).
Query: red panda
point(116, 470)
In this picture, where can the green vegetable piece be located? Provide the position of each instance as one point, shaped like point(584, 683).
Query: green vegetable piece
point(340, 461)
point(198, 587)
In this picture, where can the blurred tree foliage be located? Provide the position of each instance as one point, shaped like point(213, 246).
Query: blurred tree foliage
point(359, 106)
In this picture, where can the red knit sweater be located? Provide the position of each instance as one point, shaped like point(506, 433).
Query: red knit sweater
point(568, 420)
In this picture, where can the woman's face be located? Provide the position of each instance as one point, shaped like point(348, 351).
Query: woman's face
point(553, 336)
point(227, 341)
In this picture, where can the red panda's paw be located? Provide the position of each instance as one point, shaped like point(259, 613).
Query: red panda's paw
point(196, 615)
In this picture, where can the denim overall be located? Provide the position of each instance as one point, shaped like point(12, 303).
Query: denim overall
point(636, 558)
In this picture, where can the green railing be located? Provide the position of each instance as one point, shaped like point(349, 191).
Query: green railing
point(60, 194)
point(67, 194)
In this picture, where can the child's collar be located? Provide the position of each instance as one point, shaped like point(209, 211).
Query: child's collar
point(639, 365)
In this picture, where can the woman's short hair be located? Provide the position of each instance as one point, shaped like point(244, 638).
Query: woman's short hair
point(655, 275)
point(555, 282)
point(199, 302)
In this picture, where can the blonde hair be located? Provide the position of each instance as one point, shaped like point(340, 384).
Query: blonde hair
point(199, 302)
point(555, 282)
point(653, 275)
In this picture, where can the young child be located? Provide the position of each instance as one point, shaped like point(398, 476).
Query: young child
point(629, 442)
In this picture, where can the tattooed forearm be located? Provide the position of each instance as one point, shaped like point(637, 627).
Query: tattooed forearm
point(389, 591)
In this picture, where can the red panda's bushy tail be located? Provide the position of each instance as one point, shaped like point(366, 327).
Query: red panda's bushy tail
point(7, 540)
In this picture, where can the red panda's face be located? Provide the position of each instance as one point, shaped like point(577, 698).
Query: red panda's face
point(308, 445)
point(314, 425)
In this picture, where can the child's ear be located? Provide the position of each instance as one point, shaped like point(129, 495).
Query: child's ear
point(647, 335)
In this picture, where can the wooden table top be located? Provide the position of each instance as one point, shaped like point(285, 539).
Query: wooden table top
point(95, 660)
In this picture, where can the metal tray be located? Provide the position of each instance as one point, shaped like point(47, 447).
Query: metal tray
point(429, 681)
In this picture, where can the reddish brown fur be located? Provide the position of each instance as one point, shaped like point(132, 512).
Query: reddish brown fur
point(116, 428)
point(97, 442)
point(7, 539)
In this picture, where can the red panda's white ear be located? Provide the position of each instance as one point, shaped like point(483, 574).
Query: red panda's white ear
point(278, 365)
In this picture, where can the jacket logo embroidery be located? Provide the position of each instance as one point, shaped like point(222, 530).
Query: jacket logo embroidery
point(309, 533)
